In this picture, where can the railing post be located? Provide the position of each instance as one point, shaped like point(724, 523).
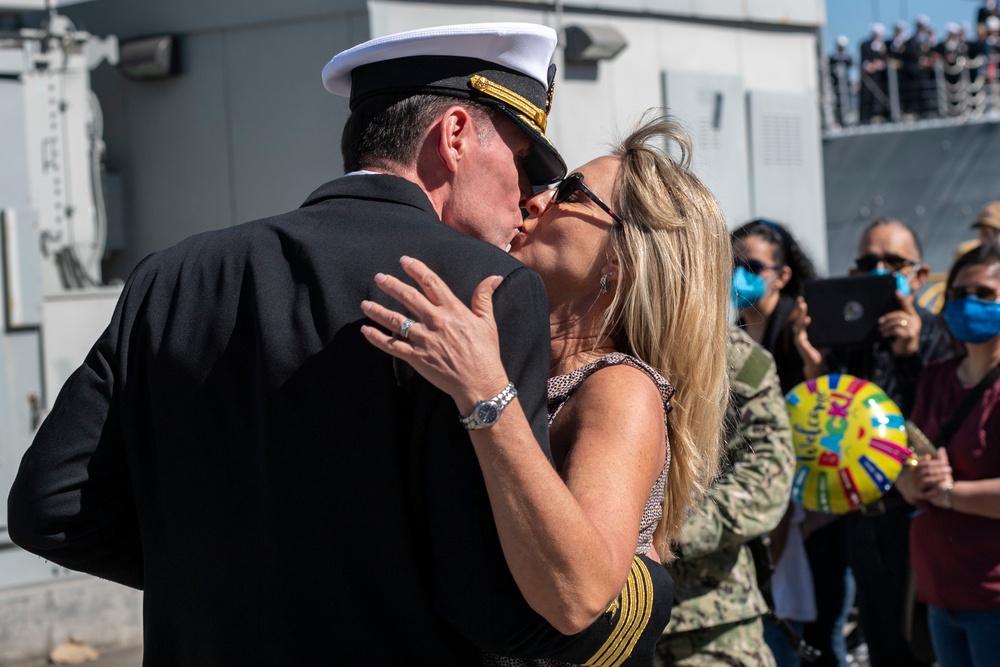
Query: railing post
point(826, 94)
point(846, 114)
point(944, 100)
point(893, 81)
point(967, 104)
point(991, 81)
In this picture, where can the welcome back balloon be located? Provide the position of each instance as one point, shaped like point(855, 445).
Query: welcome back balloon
point(850, 443)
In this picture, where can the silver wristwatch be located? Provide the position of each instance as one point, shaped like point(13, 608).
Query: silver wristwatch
point(486, 413)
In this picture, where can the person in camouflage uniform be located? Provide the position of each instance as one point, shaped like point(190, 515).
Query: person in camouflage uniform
point(717, 613)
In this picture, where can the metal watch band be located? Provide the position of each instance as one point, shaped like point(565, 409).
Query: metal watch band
point(946, 497)
point(497, 403)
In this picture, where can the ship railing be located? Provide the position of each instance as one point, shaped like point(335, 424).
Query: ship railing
point(967, 88)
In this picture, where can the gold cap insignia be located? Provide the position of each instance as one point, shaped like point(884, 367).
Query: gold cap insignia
point(531, 113)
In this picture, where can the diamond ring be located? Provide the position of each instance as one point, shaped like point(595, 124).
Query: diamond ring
point(404, 328)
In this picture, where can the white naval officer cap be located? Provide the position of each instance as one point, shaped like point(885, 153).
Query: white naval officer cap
point(506, 66)
point(878, 29)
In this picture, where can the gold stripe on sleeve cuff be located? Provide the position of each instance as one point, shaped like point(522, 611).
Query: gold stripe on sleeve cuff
point(634, 607)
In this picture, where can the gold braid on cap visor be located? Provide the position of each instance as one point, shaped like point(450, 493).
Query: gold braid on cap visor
point(531, 113)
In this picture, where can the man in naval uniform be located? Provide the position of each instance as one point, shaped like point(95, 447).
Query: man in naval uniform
point(839, 63)
point(874, 82)
point(283, 492)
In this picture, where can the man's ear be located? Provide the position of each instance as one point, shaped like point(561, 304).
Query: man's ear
point(919, 276)
point(456, 130)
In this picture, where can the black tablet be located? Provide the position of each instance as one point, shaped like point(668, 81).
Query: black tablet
point(845, 311)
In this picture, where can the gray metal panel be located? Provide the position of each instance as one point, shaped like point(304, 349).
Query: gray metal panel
point(170, 141)
point(245, 131)
point(787, 11)
point(11, 449)
point(718, 9)
point(677, 7)
point(285, 126)
point(20, 363)
point(22, 266)
point(786, 168)
point(712, 109)
point(20, 398)
point(934, 180)
point(36, 4)
point(128, 18)
point(20, 260)
point(14, 189)
point(73, 321)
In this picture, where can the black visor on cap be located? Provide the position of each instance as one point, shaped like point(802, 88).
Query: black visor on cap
point(521, 98)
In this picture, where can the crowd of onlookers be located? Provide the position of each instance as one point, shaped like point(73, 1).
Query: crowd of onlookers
point(934, 538)
point(919, 71)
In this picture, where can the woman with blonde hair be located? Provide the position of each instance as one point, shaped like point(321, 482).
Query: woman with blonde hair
point(635, 255)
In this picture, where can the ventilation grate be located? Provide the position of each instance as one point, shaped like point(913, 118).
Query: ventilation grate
point(782, 135)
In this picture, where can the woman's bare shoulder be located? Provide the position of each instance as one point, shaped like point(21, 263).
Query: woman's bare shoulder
point(619, 398)
point(621, 381)
point(614, 432)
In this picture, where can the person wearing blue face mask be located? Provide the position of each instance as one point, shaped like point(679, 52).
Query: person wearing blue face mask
point(769, 270)
point(902, 281)
point(955, 538)
point(972, 313)
point(890, 248)
point(909, 338)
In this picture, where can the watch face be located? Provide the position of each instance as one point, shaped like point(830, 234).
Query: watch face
point(487, 413)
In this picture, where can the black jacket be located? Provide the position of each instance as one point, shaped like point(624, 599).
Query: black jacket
point(284, 493)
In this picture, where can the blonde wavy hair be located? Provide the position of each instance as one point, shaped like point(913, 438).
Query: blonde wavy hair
point(669, 309)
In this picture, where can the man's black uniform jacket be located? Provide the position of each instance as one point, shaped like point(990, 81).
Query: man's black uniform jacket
point(283, 492)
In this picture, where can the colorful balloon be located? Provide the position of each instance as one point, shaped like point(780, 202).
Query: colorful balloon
point(850, 443)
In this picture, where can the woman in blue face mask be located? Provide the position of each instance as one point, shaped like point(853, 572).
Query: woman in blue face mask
point(955, 538)
point(768, 273)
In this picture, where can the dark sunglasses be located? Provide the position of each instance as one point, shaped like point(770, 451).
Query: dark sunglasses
point(754, 266)
point(871, 261)
point(574, 183)
point(984, 293)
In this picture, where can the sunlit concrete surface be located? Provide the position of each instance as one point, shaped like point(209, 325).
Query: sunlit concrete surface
point(34, 619)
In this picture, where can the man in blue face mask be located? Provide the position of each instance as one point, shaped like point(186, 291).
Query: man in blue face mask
point(909, 338)
point(890, 247)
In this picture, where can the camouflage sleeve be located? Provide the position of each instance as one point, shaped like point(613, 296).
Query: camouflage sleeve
point(751, 494)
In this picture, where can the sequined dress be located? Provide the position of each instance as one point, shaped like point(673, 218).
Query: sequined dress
point(561, 387)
